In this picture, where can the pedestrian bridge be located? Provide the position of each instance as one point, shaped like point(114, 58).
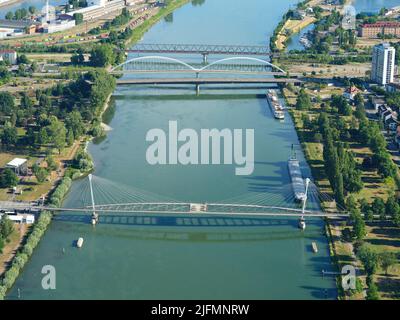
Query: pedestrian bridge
point(99, 196)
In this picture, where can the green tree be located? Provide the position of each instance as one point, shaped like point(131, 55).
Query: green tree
point(378, 207)
point(369, 258)
point(392, 207)
point(78, 18)
point(387, 259)
point(102, 56)
point(32, 9)
point(40, 174)
point(9, 136)
point(372, 292)
point(6, 227)
point(51, 163)
point(57, 133)
point(9, 15)
point(359, 229)
point(8, 178)
point(303, 100)
point(7, 103)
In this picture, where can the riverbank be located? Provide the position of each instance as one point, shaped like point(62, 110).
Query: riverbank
point(140, 30)
point(4, 3)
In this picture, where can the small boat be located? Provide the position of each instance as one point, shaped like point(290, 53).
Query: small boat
point(302, 223)
point(79, 243)
point(314, 247)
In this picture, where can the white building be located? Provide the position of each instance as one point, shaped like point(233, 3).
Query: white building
point(20, 218)
point(383, 64)
point(59, 25)
point(20, 166)
point(8, 55)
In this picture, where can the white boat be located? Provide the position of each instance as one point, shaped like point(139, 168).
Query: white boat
point(314, 247)
point(302, 223)
point(79, 243)
point(275, 106)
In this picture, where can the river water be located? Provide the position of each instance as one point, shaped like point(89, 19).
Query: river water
point(170, 257)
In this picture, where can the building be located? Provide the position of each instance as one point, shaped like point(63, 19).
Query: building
point(19, 26)
point(351, 92)
point(20, 166)
point(387, 28)
point(59, 25)
point(383, 64)
point(373, 30)
point(8, 55)
point(393, 87)
point(99, 8)
point(20, 218)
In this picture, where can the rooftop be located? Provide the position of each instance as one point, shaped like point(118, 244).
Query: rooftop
point(16, 162)
point(16, 23)
point(380, 24)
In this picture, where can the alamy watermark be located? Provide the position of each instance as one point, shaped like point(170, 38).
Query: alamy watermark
point(188, 147)
point(49, 280)
point(348, 277)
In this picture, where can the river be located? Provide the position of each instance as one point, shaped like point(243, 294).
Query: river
point(165, 258)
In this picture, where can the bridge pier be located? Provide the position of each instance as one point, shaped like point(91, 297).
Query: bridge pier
point(197, 89)
point(205, 58)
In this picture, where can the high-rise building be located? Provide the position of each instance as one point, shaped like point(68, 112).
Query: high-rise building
point(383, 64)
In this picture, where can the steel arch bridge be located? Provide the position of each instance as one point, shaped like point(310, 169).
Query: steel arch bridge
point(169, 64)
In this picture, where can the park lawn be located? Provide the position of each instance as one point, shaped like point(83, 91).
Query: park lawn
point(383, 236)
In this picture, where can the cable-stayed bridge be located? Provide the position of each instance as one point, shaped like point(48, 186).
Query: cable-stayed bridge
point(98, 196)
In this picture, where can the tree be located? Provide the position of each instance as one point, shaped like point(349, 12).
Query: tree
point(359, 229)
point(8, 178)
point(9, 136)
point(7, 103)
point(26, 102)
point(6, 227)
point(57, 133)
point(387, 259)
point(51, 163)
point(9, 15)
point(392, 207)
point(303, 100)
point(369, 258)
point(78, 18)
point(372, 292)
point(32, 9)
point(22, 59)
point(40, 174)
point(102, 56)
point(74, 122)
point(378, 207)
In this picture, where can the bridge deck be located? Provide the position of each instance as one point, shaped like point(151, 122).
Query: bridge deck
point(206, 81)
point(200, 49)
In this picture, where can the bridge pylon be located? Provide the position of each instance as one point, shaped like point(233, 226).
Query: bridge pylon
point(302, 221)
point(95, 216)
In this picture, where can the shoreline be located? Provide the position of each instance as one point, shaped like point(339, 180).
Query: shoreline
point(9, 2)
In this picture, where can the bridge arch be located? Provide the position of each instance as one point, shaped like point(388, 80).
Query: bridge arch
point(243, 58)
point(155, 58)
point(198, 70)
